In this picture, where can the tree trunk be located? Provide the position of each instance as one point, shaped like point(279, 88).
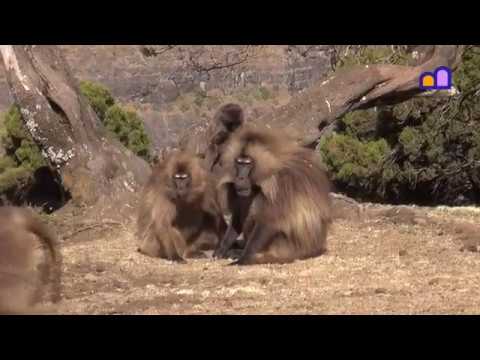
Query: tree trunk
point(93, 166)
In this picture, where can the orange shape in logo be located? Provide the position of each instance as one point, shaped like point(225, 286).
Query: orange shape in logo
point(427, 81)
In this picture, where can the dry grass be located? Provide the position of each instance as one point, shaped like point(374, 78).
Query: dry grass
point(372, 268)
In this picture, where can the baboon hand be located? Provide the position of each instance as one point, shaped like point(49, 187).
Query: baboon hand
point(241, 261)
point(219, 253)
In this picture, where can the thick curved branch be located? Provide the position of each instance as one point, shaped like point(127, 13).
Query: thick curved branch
point(354, 88)
point(313, 112)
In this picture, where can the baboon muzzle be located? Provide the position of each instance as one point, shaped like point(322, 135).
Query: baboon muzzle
point(182, 184)
point(243, 187)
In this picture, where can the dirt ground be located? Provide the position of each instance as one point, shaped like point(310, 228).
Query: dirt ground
point(372, 267)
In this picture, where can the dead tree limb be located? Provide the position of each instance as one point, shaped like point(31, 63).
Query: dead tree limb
point(359, 87)
point(312, 113)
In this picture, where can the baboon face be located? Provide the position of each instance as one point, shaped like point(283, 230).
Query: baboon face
point(243, 169)
point(182, 182)
point(231, 116)
point(181, 178)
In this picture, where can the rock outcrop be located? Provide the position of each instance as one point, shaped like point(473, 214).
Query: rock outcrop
point(155, 77)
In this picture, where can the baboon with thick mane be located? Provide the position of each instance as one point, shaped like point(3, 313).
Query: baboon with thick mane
point(25, 274)
point(278, 196)
point(178, 216)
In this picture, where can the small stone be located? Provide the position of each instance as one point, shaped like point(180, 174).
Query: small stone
point(185, 292)
point(100, 268)
point(380, 291)
point(402, 252)
point(90, 277)
point(118, 284)
point(421, 221)
point(469, 247)
point(263, 281)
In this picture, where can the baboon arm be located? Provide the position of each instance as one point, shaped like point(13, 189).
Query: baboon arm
point(221, 226)
point(258, 241)
point(211, 158)
point(174, 243)
point(206, 241)
point(150, 246)
point(159, 237)
point(194, 252)
point(239, 209)
point(227, 242)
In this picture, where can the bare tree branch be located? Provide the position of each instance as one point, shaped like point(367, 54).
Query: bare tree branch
point(150, 51)
point(215, 63)
point(359, 87)
point(312, 113)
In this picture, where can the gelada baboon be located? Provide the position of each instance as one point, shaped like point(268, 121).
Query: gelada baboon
point(278, 197)
point(179, 217)
point(228, 119)
point(30, 262)
point(209, 143)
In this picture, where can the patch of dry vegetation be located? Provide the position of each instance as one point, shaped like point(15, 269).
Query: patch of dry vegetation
point(374, 266)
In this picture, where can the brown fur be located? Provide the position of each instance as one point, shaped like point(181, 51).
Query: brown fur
point(23, 279)
point(292, 201)
point(228, 119)
point(176, 229)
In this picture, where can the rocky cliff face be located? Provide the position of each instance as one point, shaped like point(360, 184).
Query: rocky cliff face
point(168, 84)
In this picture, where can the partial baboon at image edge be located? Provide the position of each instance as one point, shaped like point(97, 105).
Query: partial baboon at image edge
point(281, 202)
point(30, 263)
point(179, 217)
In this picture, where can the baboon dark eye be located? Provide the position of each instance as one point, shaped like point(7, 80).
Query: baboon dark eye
point(181, 176)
